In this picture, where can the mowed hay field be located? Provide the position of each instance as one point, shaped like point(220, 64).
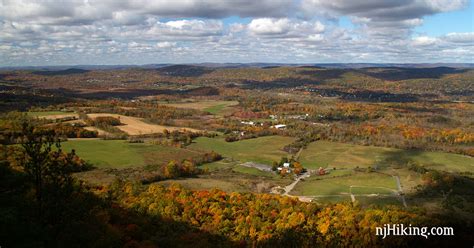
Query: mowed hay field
point(136, 126)
point(333, 154)
point(361, 182)
point(213, 107)
point(121, 154)
point(263, 150)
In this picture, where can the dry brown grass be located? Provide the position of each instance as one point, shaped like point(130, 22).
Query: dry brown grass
point(136, 126)
point(99, 131)
point(54, 117)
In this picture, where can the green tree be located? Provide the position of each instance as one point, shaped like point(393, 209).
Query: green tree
point(47, 167)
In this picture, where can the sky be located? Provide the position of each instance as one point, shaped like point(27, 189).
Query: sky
point(111, 32)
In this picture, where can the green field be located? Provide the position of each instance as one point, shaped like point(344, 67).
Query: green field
point(363, 183)
point(216, 109)
point(217, 165)
point(211, 106)
point(263, 150)
point(121, 154)
point(340, 155)
point(379, 200)
point(332, 199)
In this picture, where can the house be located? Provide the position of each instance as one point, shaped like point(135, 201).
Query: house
point(321, 171)
point(251, 123)
point(280, 126)
point(286, 165)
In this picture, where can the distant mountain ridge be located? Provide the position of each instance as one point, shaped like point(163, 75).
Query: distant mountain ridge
point(241, 65)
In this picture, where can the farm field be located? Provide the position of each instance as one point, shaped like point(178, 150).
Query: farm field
point(217, 166)
point(333, 154)
point(331, 199)
point(98, 130)
point(378, 200)
point(254, 171)
point(213, 107)
point(52, 114)
point(121, 154)
point(361, 182)
point(231, 177)
point(136, 126)
point(263, 150)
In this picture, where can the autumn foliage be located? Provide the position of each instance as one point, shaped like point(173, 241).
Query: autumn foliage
point(264, 219)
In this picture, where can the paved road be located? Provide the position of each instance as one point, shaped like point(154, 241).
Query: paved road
point(290, 187)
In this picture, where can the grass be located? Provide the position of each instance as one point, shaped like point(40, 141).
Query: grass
point(216, 109)
point(211, 106)
point(216, 166)
point(253, 171)
point(332, 199)
point(340, 155)
point(263, 150)
point(121, 154)
point(369, 183)
point(379, 201)
point(443, 161)
point(336, 173)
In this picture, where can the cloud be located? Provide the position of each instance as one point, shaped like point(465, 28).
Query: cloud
point(424, 41)
point(165, 44)
point(78, 12)
point(40, 32)
point(284, 28)
point(267, 26)
point(462, 38)
point(386, 10)
point(387, 18)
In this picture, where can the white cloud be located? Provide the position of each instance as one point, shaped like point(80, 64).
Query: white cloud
point(136, 31)
point(424, 41)
point(165, 44)
point(284, 28)
point(267, 26)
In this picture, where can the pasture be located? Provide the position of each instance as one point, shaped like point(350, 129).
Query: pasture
point(211, 106)
point(340, 155)
point(254, 171)
point(356, 183)
point(121, 154)
point(263, 150)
